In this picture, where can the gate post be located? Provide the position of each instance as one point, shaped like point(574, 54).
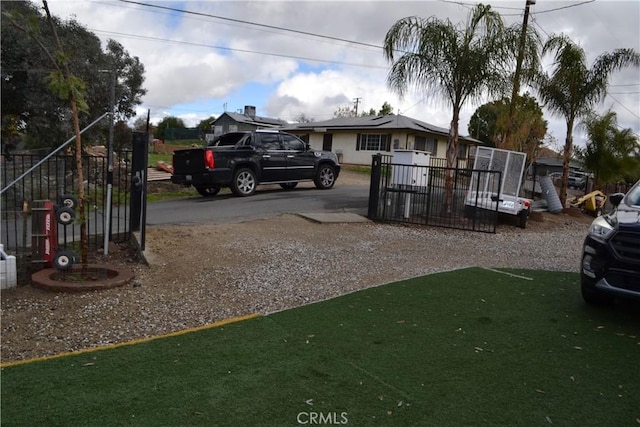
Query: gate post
point(374, 186)
point(138, 179)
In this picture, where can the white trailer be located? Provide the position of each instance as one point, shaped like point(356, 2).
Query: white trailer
point(503, 197)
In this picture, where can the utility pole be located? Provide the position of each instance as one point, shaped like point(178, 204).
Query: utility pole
point(516, 78)
point(356, 102)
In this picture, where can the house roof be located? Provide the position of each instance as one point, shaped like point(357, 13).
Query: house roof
point(556, 162)
point(255, 120)
point(387, 122)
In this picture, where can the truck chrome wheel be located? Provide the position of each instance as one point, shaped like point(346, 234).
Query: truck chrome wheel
point(325, 177)
point(244, 182)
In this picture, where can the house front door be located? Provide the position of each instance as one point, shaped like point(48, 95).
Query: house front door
point(327, 142)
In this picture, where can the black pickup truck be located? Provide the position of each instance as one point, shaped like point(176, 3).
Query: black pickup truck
point(243, 160)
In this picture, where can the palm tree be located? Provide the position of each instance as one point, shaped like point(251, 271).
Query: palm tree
point(611, 153)
point(573, 89)
point(458, 64)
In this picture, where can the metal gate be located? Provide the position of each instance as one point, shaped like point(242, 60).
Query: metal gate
point(441, 197)
point(52, 179)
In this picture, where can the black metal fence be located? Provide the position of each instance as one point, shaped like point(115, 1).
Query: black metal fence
point(433, 195)
point(53, 179)
point(442, 163)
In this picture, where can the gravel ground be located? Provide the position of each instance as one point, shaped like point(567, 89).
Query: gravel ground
point(205, 273)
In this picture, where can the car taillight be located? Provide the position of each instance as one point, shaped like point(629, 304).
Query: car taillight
point(527, 203)
point(208, 159)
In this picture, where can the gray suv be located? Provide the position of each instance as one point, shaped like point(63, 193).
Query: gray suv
point(611, 252)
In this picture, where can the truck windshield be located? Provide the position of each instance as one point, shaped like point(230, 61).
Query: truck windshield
point(633, 196)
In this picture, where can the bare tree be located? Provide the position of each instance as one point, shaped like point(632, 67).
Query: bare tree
point(72, 89)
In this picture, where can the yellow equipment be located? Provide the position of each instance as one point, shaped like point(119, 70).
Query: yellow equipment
point(591, 203)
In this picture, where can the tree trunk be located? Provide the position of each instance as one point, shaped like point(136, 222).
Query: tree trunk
point(84, 240)
point(568, 148)
point(452, 159)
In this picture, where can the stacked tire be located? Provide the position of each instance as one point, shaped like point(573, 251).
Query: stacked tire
point(65, 215)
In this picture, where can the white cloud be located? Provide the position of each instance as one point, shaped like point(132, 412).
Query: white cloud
point(197, 73)
point(322, 93)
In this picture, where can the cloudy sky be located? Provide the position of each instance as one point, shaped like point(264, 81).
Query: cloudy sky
point(289, 58)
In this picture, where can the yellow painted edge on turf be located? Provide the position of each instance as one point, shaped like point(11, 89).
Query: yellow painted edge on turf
point(133, 342)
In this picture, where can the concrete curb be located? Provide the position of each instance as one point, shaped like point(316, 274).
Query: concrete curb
point(334, 218)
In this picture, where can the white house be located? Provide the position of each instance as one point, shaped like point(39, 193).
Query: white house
point(356, 139)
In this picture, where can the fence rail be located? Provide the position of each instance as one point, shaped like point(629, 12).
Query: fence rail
point(433, 195)
point(53, 179)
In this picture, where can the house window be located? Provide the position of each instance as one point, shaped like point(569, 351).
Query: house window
point(432, 146)
point(429, 145)
point(462, 151)
point(373, 142)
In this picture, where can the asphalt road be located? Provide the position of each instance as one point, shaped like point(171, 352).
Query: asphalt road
point(265, 203)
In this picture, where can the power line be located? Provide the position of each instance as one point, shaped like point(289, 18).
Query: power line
point(563, 7)
point(463, 4)
point(623, 106)
point(280, 55)
point(241, 21)
point(202, 19)
point(535, 22)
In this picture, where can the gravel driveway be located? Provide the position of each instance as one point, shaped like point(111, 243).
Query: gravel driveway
point(200, 274)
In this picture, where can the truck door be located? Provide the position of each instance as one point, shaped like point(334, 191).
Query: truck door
point(272, 157)
point(300, 161)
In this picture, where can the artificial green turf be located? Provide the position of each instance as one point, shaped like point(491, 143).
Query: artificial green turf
point(469, 347)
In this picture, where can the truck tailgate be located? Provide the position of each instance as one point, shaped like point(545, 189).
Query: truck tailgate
point(188, 161)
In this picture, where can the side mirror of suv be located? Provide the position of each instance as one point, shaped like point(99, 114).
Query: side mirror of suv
point(616, 198)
